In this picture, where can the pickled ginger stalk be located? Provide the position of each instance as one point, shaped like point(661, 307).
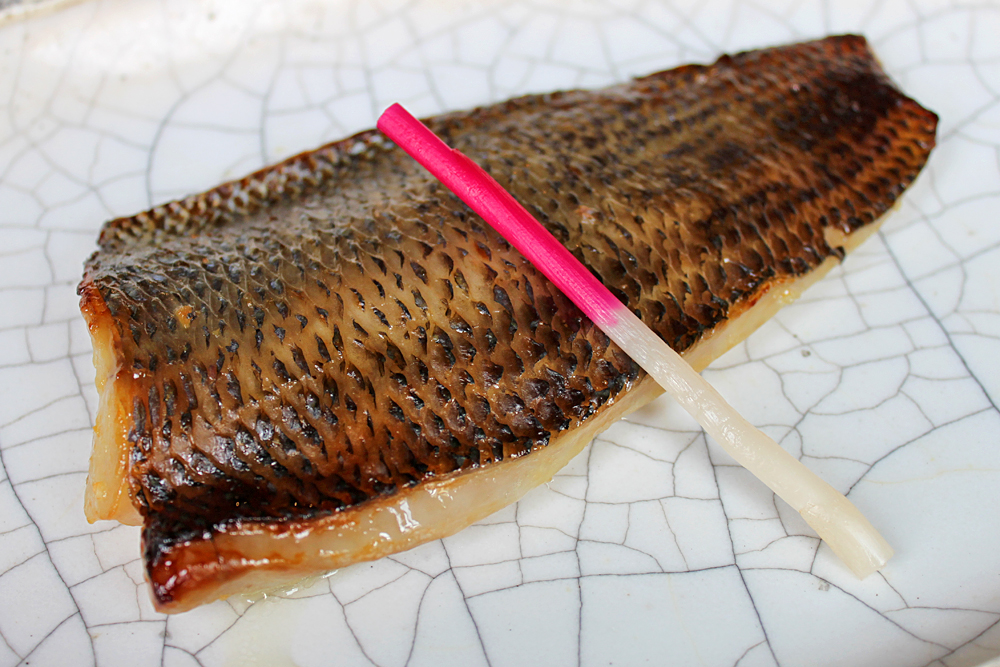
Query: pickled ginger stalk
point(834, 518)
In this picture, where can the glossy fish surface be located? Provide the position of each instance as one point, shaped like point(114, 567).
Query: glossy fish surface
point(334, 359)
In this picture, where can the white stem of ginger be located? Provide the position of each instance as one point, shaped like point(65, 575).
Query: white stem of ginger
point(837, 521)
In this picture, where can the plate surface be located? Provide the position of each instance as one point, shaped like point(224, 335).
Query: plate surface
point(651, 547)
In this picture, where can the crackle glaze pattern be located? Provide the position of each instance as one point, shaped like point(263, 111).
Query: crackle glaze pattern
point(651, 546)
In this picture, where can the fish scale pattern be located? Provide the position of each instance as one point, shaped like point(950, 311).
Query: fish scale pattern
point(358, 350)
point(339, 327)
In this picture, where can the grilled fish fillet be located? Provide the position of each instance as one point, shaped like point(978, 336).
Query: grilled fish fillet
point(333, 359)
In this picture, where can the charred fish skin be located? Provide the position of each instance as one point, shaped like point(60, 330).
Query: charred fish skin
point(339, 329)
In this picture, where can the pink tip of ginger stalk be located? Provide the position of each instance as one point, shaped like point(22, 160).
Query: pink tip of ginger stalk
point(497, 207)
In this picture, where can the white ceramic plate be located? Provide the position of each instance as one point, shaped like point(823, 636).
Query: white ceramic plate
point(651, 547)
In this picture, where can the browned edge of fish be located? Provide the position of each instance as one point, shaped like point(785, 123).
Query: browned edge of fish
point(249, 555)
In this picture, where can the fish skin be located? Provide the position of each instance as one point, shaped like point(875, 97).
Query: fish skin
point(339, 328)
